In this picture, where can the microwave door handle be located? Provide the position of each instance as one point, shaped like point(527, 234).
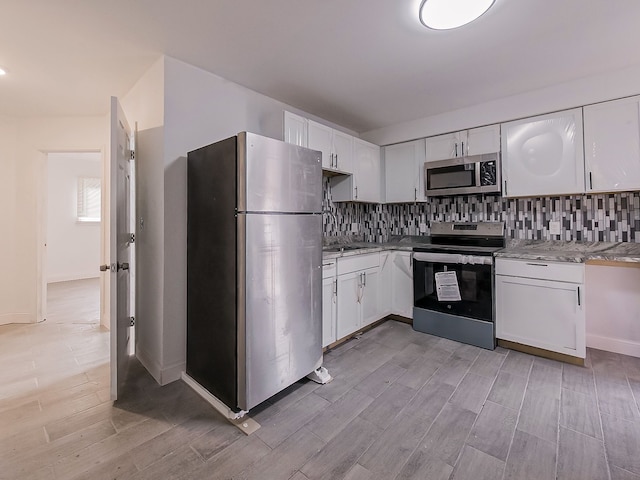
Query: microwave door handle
point(478, 168)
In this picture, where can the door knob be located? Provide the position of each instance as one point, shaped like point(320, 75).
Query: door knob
point(104, 268)
point(123, 266)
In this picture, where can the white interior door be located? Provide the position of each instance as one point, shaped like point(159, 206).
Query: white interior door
point(119, 247)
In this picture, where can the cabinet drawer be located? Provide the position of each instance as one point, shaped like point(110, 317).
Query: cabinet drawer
point(328, 268)
point(358, 262)
point(557, 271)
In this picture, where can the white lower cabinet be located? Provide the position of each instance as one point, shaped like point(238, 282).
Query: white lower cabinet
point(369, 300)
point(402, 284)
point(357, 289)
point(329, 302)
point(386, 278)
point(541, 304)
point(349, 310)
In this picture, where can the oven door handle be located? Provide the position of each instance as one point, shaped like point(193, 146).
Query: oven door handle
point(435, 257)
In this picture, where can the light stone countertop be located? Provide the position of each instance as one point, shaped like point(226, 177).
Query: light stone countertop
point(403, 243)
point(572, 251)
point(542, 250)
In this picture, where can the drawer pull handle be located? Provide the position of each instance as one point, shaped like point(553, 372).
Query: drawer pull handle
point(537, 264)
point(578, 296)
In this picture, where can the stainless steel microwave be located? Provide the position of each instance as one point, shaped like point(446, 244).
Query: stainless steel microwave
point(463, 175)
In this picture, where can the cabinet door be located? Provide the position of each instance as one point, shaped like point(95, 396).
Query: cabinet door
point(612, 146)
point(482, 140)
point(329, 304)
point(366, 183)
point(404, 177)
point(402, 285)
point(442, 147)
point(321, 138)
point(343, 151)
point(543, 155)
point(386, 280)
point(349, 293)
point(541, 313)
point(369, 300)
point(295, 129)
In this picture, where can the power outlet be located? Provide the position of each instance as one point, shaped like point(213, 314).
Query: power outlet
point(554, 228)
point(354, 228)
point(423, 228)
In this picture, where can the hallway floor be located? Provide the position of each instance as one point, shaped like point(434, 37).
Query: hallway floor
point(403, 405)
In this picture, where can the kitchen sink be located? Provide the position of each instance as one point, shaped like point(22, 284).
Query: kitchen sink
point(341, 248)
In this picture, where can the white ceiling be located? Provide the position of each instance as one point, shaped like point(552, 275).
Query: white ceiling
point(363, 64)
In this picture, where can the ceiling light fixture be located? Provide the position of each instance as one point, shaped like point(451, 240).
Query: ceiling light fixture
point(2, 71)
point(448, 14)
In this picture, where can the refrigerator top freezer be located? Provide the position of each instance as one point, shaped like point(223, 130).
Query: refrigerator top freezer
point(254, 260)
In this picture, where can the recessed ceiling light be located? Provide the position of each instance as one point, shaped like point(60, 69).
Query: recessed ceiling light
point(447, 14)
point(2, 71)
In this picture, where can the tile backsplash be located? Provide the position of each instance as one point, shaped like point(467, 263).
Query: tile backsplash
point(605, 217)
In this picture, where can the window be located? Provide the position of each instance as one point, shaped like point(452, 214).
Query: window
point(89, 190)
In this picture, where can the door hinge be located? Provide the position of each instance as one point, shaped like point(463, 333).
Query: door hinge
point(133, 155)
point(132, 238)
point(132, 321)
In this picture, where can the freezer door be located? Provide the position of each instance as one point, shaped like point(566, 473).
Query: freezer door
point(274, 176)
point(280, 300)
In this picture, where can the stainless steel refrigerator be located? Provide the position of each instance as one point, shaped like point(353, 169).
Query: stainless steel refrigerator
point(254, 260)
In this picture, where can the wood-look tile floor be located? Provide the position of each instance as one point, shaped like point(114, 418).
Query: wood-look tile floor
point(403, 405)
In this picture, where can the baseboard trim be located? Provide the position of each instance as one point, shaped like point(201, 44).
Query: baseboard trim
point(163, 376)
point(541, 352)
point(616, 345)
point(9, 318)
point(355, 334)
point(70, 278)
point(172, 373)
point(152, 367)
point(400, 318)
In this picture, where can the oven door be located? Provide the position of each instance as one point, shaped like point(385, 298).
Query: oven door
point(469, 279)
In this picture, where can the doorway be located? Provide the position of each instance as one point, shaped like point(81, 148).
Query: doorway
point(73, 236)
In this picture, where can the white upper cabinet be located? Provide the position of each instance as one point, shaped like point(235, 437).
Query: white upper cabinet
point(343, 151)
point(543, 155)
point(364, 184)
point(476, 141)
point(404, 175)
point(295, 129)
point(612, 145)
point(336, 147)
point(321, 138)
point(442, 147)
point(366, 171)
point(482, 140)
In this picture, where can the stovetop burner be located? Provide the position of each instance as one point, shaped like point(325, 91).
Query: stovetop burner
point(480, 238)
point(464, 249)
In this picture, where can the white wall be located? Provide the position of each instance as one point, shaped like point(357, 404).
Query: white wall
point(613, 308)
point(200, 108)
point(33, 137)
point(177, 108)
point(594, 89)
point(73, 248)
point(12, 307)
point(144, 107)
